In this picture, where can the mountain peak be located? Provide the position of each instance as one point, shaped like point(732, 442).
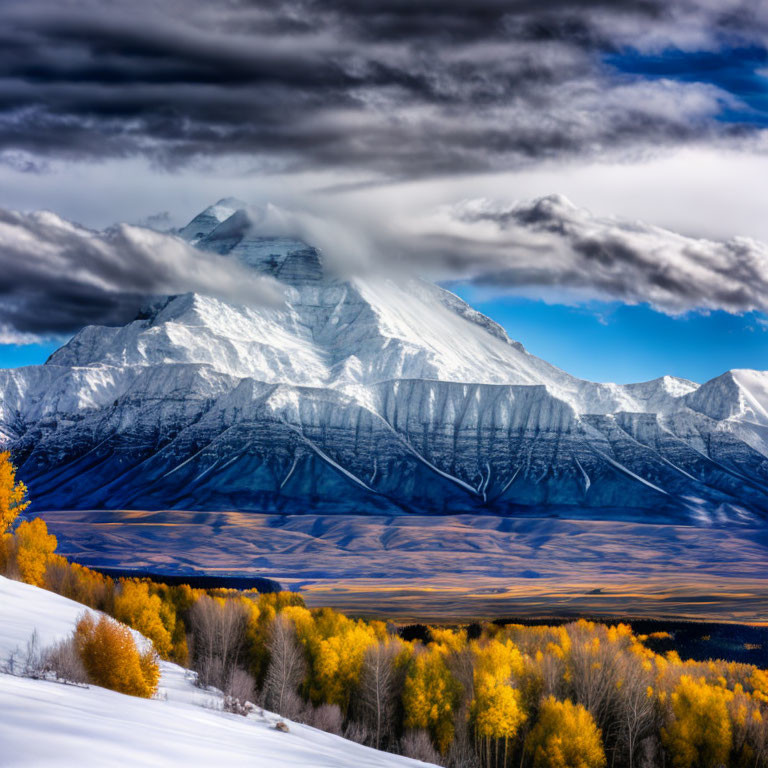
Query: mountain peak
point(736, 394)
point(230, 227)
point(206, 221)
point(233, 203)
point(365, 394)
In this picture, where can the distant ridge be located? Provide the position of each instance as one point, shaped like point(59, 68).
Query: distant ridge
point(259, 583)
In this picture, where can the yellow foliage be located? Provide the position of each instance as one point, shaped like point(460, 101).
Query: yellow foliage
point(715, 710)
point(565, 736)
point(449, 639)
point(146, 613)
point(150, 671)
point(79, 583)
point(336, 647)
point(620, 633)
point(700, 734)
point(497, 660)
point(111, 658)
point(338, 662)
point(431, 696)
point(302, 619)
point(497, 711)
point(759, 683)
point(6, 552)
point(12, 493)
point(34, 548)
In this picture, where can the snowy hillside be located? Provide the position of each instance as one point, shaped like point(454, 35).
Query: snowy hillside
point(51, 724)
point(365, 396)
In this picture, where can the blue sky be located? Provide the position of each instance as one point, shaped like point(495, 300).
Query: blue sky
point(616, 342)
point(15, 355)
point(738, 71)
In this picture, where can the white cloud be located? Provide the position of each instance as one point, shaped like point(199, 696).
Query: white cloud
point(550, 243)
point(56, 276)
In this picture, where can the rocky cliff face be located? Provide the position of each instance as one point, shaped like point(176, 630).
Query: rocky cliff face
point(366, 396)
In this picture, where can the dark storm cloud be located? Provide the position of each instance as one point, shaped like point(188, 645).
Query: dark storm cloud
point(392, 87)
point(56, 277)
point(551, 244)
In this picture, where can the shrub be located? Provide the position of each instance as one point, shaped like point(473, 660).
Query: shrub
point(326, 717)
point(239, 692)
point(111, 658)
point(63, 662)
point(417, 745)
point(27, 662)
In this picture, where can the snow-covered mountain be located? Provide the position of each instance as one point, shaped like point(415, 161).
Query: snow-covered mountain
point(362, 396)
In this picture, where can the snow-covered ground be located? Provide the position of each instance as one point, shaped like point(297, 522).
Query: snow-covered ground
point(51, 724)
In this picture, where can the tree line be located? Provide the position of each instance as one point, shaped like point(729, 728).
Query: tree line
point(581, 695)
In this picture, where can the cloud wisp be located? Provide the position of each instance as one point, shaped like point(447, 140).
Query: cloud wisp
point(550, 245)
point(56, 277)
point(387, 89)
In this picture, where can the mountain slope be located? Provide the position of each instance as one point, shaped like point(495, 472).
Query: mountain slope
point(50, 724)
point(364, 395)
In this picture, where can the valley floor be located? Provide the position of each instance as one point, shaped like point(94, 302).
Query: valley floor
point(446, 568)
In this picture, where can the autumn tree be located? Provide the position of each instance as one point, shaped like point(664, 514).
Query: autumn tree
point(111, 658)
point(497, 715)
point(699, 734)
point(565, 736)
point(218, 629)
point(79, 583)
point(592, 666)
point(34, 547)
point(287, 667)
point(12, 493)
point(462, 753)
point(497, 711)
point(336, 646)
point(136, 606)
point(380, 685)
point(756, 726)
point(637, 711)
point(431, 695)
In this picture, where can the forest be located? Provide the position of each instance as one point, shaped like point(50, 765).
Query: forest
point(578, 695)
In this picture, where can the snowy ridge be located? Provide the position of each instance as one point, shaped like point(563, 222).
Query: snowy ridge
point(366, 396)
point(206, 221)
point(50, 724)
